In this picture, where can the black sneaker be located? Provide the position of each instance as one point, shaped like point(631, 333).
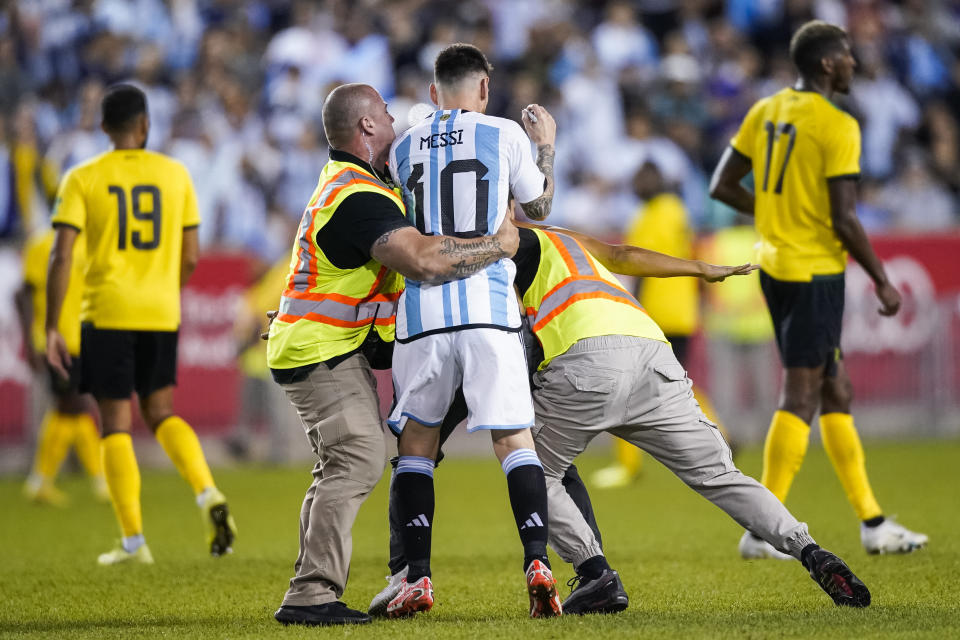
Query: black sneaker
point(835, 577)
point(320, 615)
point(600, 595)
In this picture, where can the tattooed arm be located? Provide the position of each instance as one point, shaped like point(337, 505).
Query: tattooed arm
point(542, 129)
point(436, 259)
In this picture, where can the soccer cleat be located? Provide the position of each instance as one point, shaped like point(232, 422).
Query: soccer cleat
point(753, 548)
point(320, 615)
point(600, 595)
point(835, 577)
point(890, 537)
point(411, 598)
point(41, 491)
point(542, 587)
point(612, 477)
point(119, 555)
point(378, 606)
point(221, 529)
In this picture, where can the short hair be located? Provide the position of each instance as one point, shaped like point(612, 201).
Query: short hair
point(812, 42)
point(120, 105)
point(457, 61)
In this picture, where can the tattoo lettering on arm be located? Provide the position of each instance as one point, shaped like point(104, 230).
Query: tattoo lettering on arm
point(475, 254)
point(385, 238)
point(539, 208)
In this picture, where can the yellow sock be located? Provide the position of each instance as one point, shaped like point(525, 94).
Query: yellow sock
point(628, 456)
point(56, 435)
point(87, 443)
point(708, 410)
point(123, 480)
point(842, 443)
point(180, 442)
point(783, 452)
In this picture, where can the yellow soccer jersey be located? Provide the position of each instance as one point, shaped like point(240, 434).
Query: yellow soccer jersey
point(131, 206)
point(797, 141)
point(36, 257)
point(663, 226)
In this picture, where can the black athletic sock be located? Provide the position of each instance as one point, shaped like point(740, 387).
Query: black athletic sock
point(593, 568)
point(528, 497)
point(578, 493)
point(397, 558)
point(874, 522)
point(415, 498)
point(805, 554)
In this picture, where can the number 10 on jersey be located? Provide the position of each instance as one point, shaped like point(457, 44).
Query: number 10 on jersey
point(145, 206)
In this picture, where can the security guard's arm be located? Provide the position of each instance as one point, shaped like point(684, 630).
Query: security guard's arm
point(634, 261)
point(58, 278)
point(438, 259)
point(725, 183)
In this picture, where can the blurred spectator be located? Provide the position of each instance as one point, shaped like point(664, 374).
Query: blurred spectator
point(917, 202)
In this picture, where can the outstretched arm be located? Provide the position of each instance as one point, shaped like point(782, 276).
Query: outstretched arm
point(725, 184)
point(437, 259)
point(634, 261)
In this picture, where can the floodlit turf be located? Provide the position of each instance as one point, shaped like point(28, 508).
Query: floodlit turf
point(676, 552)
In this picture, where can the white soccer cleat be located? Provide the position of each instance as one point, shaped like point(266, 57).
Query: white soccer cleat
point(890, 537)
point(119, 555)
point(378, 606)
point(752, 548)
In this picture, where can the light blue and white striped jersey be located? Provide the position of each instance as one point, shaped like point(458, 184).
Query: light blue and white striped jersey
point(457, 169)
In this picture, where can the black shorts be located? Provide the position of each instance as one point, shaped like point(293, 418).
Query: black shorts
point(117, 362)
point(59, 386)
point(807, 317)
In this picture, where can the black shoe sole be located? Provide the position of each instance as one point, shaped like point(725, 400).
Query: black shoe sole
point(223, 538)
point(319, 622)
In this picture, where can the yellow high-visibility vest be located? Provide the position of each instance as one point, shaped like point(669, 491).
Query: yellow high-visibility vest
point(326, 311)
point(574, 297)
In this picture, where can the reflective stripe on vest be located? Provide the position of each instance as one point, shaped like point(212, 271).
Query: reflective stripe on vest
point(569, 299)
point(326, 311)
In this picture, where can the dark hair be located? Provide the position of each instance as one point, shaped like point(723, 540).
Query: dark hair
point(457, 61)
point(812, 42)
point(120, 105)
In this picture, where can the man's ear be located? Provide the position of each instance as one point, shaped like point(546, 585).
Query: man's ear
point(434, 94)
point(826, 65)
point(367, 126)
point(484, 88)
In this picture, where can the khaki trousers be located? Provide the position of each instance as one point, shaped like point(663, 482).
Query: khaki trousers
point(340, 413)
point(636, 389)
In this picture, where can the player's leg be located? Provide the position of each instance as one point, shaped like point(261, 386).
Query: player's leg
point(155, 377)
point(425, 378)
point(340, 413)
point(497, 392)
point(842, 444)
point(79, 408)
point(107, 373)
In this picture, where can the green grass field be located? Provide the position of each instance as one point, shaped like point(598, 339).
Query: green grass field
point(676, 552)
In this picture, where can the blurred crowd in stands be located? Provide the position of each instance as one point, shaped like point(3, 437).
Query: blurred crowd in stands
point(235, 89)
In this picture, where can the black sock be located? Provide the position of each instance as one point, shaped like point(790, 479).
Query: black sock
point(415, 499)
point(528, 497)
point(593, 568)
point(805, 554)
point(578, 493)
point(874, 522)
point(397, 559)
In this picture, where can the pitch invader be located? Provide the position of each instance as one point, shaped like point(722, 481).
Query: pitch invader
point(805, 156)
point(137, 212)
point(456, 168)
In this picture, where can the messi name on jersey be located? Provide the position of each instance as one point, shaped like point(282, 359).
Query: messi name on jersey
point(444, 139)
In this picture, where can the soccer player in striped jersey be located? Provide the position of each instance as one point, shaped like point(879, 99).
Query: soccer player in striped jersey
point(136, 213)
point(456, 169)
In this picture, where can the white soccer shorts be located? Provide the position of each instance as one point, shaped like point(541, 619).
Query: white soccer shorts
point(490, 364)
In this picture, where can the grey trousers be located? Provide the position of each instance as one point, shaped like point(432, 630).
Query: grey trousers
point(340, 413)
point(636, 389)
